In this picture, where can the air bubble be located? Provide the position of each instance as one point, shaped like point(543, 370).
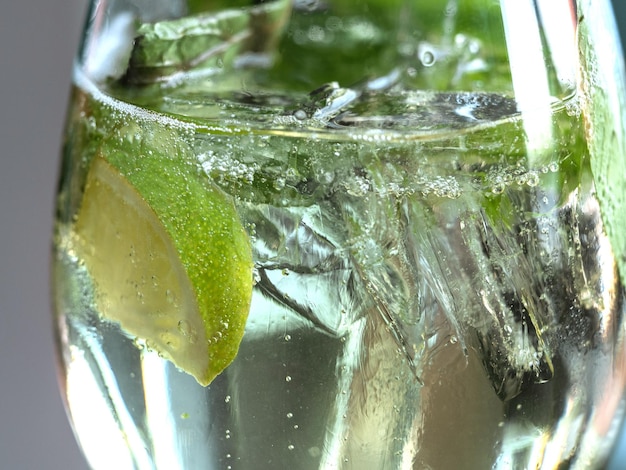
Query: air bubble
point(316, 34)
point(498, 188)
point(427, 58)
point(300, 115)
point(451, 10)
point(185, 328)
point(532, 179)
point(315, 451)
point(279, 183)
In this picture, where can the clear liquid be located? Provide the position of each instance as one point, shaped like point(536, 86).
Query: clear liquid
point(435, 284)
point(424, 299)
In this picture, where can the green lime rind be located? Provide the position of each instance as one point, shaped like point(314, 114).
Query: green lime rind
point(212, 245)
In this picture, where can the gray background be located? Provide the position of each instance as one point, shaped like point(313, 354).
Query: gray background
point(37, 44)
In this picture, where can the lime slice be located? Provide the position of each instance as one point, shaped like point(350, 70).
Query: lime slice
point(170, 260)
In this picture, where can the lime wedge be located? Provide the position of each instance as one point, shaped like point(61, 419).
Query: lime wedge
point(169, 258)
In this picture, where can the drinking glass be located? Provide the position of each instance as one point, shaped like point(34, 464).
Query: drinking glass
point(344, 234)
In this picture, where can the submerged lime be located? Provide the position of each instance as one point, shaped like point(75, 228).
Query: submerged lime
point(170, 260)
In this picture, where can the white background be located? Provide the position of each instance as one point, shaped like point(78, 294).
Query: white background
point(37, 43)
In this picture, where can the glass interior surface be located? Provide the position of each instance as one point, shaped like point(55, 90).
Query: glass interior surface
point(344, 234)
